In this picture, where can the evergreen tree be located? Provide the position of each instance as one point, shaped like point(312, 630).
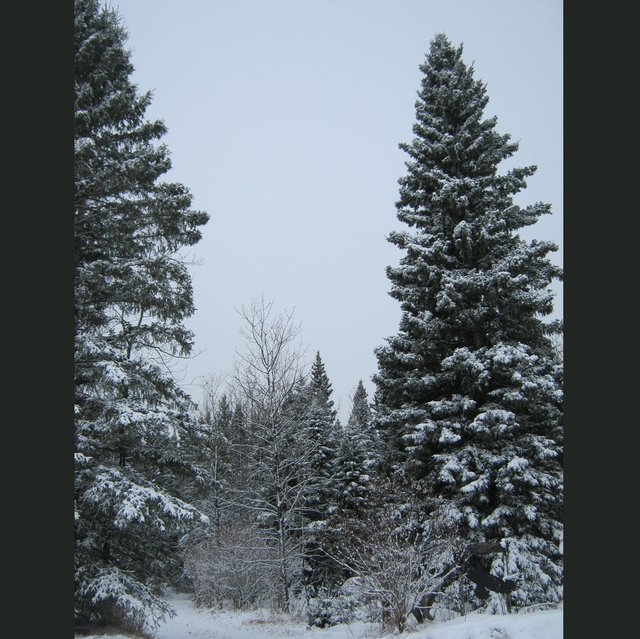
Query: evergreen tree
point(320, 420)
point(319, 382)
point(225, 415)
point(357, 454)
point(360, 416)
point(321, 437)
point(134, 431)
point(218, 457)
point(468, 391)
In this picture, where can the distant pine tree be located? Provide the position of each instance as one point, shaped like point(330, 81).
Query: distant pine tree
point(319, 382)
point(360, 416)
point(321, 437)
point(469, 391)
point(356, 472)
point(357, 454)
point(320, 420)
point(134, 432)
point(218, 457)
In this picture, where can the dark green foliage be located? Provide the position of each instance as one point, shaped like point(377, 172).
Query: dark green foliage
point(360, 417)
point(357, 455)
point(320, 424)
point(219, 456)
point(321, 437)
point(135, 439)
point(469, 391)
point(326, 609)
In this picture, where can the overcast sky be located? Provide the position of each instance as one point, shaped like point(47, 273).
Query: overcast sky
point(284, 120)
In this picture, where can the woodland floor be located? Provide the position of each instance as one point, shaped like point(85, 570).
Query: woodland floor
point(196, 623)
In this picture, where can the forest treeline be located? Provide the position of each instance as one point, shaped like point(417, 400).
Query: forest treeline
point(441, 493)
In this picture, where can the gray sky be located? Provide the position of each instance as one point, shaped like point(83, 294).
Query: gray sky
point(284, 120)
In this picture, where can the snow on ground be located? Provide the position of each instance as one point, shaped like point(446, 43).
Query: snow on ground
point(196, 623)
point(535, 625)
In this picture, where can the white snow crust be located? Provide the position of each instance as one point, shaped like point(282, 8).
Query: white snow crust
point(195, 623)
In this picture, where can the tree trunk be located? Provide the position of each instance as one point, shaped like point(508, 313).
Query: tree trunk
point(284, 577)
point(422, 610)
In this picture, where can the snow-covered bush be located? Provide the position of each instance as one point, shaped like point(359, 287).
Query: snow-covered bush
point(326, 609)
point(231, 570)
point(393, 561)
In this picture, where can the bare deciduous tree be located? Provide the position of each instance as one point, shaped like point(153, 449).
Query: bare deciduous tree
point(391, 565)
point(232, 567)
point(266, 376)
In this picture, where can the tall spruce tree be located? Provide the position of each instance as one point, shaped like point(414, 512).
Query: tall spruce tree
point(134, 434)
point(321, 436)
point(321, 416)
point(469, 392)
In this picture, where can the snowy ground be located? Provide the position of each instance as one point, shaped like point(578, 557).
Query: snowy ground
point(193, 623)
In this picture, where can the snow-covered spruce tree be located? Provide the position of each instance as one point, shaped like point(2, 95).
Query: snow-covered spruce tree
point(218, 456)
point(360, 416)
point(134, 436)
point(469, 392)
point(351, 495)
point(356, 455)
point(322, 438)
point(321, 431)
